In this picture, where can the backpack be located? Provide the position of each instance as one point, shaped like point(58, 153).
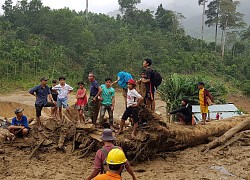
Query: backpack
point(157, 79)
point(105, 166)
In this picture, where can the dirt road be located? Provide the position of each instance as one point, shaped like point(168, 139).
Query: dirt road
point(233, 163)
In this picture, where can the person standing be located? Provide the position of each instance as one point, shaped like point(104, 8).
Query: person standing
point(81, 101)
point(63, 90)
point(141, 87)
point(107, 101)
point(93, 101)
point(54, 94)
point(150, 88)
point(19, 125)
point(204, 99)
point(42, 92)
point(116, 162)
point(99, 163)
point(134, 99)
point(122, 79)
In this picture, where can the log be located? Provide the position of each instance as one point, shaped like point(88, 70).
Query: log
point(88, 149)
point(85, 127)
point(36, 148)
point(230, 133)
point(172, 137)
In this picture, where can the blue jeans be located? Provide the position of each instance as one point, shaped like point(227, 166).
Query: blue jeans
point(62, 103)
point(105, 108)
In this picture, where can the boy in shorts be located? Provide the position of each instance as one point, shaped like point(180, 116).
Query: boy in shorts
point(133, 101)
point(63, 90)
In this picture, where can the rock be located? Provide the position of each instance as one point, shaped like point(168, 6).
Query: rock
point(47, 142)
point(2, 151)
point(87, 127)
point(5, 135)
point(50, 124)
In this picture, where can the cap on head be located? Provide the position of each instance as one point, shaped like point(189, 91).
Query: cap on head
point(44, 79)
point(116, 157)
point(149, 61)
point(107, 135)
point(131, 81)
point(18, 110)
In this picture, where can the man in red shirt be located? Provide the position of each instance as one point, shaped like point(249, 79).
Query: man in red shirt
point(101, 155)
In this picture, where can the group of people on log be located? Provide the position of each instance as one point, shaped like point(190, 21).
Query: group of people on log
point(101, 99)
point(110, 158)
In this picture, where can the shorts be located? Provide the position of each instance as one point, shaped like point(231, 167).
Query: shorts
point(20, 133)
point(54, 96)
point(204, 109)
point(150, 96)
point(78, 107)
point(62, 103)
point(131, 111)
point(39, 108)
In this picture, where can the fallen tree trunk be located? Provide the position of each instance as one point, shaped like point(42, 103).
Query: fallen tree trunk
point(151, 139)
point(157, 137)
point(230, 133)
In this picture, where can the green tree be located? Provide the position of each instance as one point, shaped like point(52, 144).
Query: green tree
point(212, 14)
point(229, 18)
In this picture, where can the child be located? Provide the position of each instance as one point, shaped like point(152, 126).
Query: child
point(133, 101)
point(107, 101)
point(63, 90)
point(142, 85)
point(81, 101)
point(54, 94)
point(217, 116)
point(204, 95)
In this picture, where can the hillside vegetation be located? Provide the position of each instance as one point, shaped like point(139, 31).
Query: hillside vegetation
point(37, 41)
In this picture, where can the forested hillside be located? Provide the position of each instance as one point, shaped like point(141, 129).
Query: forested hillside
point(36, 41)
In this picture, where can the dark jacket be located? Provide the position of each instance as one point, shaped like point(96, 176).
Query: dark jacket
point(185, 110)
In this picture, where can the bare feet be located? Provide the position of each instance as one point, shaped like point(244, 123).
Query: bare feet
point(203, 123)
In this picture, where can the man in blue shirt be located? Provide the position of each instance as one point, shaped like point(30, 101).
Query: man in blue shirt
point(41, 92)
point(93, 101)
point(19, 126)
point(107, 101)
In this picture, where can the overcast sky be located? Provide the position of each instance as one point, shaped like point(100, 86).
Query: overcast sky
point(99, 6)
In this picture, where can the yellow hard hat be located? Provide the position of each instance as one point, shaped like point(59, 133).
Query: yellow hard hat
point(116, 156)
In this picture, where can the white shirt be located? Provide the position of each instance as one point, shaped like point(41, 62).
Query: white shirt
point(63, 91)
point(132, 97)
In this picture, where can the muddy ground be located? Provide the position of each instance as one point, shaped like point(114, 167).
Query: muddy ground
point(233, 163)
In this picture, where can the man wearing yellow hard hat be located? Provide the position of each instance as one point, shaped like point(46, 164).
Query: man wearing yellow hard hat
point(116, 161)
